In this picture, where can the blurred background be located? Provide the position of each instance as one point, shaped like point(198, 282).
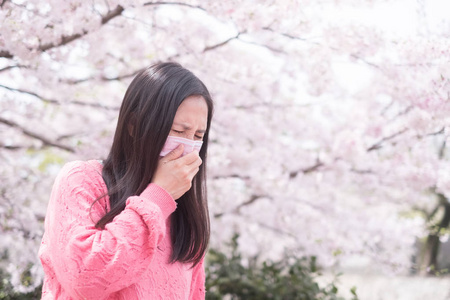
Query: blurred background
point(328, 170)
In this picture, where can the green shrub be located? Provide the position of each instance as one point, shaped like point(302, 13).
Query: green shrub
point(288, 279)
point(7, 292)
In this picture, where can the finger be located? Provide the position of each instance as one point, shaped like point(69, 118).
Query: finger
point(174, 154)
point(196, 163)
point(194, 168)
point(193, 172)
point(189, 158)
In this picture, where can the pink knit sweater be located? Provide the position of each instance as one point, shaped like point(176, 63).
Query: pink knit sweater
point(127, 260)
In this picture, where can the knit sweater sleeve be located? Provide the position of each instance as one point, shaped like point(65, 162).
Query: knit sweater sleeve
point(198, 282)
point(92, 263)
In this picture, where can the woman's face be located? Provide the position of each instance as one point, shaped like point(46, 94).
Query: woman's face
point(191, 119)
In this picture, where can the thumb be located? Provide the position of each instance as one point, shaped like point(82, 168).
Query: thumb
point(175, 153)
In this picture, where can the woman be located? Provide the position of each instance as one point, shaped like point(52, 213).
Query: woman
point(137, 225)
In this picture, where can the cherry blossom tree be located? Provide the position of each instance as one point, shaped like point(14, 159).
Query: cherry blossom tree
point(330, 127)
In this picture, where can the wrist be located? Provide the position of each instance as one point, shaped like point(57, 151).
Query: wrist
point(158, 195)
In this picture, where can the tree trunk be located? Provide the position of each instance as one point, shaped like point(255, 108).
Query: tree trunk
point(429, 264)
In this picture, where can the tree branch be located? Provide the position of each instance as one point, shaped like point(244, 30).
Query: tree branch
point(362, 172)
point(375, 146)
point(442, 150)
point(208, 48)
point(252, 199)
point(11, 67)
point(174, 3)
point(277, 230)
point(355, 56)
point(289, 36)
point(401, 113)
point(264, 46)
point(236, 210)
point(307, 170)
point(440, 131)
point(112, 14)
point(65, 39)
point(6, 54)
point(13, 147)
point(268, 105)
point(103, 78)
point(34, 135)
point(69, 38)
point(30, 93)
point(56, 102)
point(378, 144)
point(125, 76)
point(231, 176)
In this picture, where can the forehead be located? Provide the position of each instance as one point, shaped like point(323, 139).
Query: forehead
point(193, 110)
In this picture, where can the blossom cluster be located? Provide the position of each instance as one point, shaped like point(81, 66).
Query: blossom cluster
point(329, 133)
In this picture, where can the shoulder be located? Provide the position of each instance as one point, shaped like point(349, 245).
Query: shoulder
point(79, 166)
point(80, 180)
point(80, 173)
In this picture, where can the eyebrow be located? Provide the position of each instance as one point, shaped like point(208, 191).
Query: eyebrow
point(187, 127)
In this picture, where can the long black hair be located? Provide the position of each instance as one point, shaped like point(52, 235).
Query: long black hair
point(145, 120)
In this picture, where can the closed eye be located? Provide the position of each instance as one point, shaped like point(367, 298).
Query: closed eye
point(182, 133)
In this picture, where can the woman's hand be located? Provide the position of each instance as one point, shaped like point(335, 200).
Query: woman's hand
point(174, 173)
